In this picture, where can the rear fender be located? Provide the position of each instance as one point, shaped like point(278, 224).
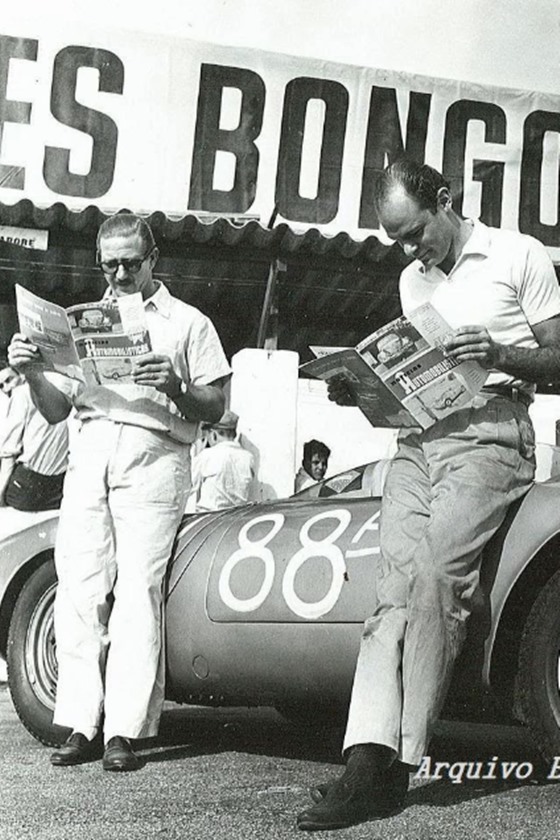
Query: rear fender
point(523, 559)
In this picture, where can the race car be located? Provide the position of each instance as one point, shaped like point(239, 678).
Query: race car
point(265, 605)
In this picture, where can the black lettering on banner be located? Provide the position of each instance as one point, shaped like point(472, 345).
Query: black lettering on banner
point(210, 138)
point(101, 128)
point(489, 173)
point(324, 207)
point(13, 177)
point(536, 126)
point(384, 142)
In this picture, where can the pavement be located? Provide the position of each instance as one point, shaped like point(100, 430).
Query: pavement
point(242, 774)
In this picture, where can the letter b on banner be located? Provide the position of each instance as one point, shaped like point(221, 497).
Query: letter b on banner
point(240, 142)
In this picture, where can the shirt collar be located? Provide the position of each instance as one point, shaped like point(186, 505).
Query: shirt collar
point(160, 300)
point(477, 243)
point(479, 240)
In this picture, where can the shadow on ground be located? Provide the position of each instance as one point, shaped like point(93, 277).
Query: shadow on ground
point(191, 731)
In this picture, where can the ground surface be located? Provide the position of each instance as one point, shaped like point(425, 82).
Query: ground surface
point(244, 775)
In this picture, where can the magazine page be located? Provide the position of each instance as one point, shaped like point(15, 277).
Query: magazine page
point(47, 326)
point(416, 369)
point(320, 350)
point(372, 396)
point(109, 334)
point(436, 330)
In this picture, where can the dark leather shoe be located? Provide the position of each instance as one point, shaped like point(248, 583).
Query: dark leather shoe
point(340, 804)
point(76, 750)
point(395, 790)
point(119, 756)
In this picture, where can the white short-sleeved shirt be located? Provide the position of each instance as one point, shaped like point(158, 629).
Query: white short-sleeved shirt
point(303, 480)
point(190, 340)
point(222, 476)
point(502, 280)
point(38, 445)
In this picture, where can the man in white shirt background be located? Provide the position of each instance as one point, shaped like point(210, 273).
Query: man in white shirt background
point(33, 452)
point(223, 472)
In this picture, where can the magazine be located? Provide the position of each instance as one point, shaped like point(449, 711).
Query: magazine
point(93, 342)
point(400, 374)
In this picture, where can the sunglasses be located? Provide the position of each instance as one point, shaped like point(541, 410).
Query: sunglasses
point(131, 266)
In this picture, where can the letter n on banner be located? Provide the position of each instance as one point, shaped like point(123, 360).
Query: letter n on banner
point(384, 142)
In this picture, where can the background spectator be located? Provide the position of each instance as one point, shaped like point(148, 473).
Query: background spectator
point(223, 472)
point(314, 464)
point(33, 453)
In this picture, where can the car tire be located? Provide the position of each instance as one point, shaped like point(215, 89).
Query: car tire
point(31, 656)
point(537, 683)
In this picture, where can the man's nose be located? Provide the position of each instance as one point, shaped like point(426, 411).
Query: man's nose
point(122, 272)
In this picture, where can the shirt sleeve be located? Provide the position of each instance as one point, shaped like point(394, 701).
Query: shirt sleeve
point(539, 293)
point(68, 386)
point(206, 359)
point(11, 444)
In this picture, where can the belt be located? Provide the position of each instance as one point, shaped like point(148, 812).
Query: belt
point(510, 392)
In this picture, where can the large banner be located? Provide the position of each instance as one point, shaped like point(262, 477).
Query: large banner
point(152, 123)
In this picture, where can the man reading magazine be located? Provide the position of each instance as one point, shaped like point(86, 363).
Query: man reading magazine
point(449, 486)
point(124, 495)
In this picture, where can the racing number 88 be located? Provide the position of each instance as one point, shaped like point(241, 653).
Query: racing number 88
point(325, 547)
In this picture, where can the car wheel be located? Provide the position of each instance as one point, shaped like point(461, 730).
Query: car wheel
point(31, 656)
point(537, 684)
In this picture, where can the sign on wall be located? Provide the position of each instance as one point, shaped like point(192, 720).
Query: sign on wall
point(30, 238)
point(153, 123)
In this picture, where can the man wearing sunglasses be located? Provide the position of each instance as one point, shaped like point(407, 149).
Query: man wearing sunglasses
point(125, 492)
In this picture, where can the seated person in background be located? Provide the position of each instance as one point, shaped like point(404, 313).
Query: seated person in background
point(314, 465)
point(223, 472)
point(33, 453)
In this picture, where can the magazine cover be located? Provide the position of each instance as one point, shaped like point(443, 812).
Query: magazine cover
point(108, 336)
point(373, 397)
point(94, 342)
point(403, 364)
point(46, 325)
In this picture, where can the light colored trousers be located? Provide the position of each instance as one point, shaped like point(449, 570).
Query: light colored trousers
point(447, 492)
point(124, 495)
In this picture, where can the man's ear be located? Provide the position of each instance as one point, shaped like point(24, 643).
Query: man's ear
point(444, 199)
point(154, 256)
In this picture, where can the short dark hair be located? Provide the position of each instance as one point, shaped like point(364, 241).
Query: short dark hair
point(124, 224)
point(419, 180)
point(315, 447)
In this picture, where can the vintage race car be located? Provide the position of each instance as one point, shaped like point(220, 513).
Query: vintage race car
point(265, 605)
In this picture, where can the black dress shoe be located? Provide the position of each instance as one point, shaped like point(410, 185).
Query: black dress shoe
point(119, 756)
point(76, 750)
point(395, 789)
point(342, 803)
